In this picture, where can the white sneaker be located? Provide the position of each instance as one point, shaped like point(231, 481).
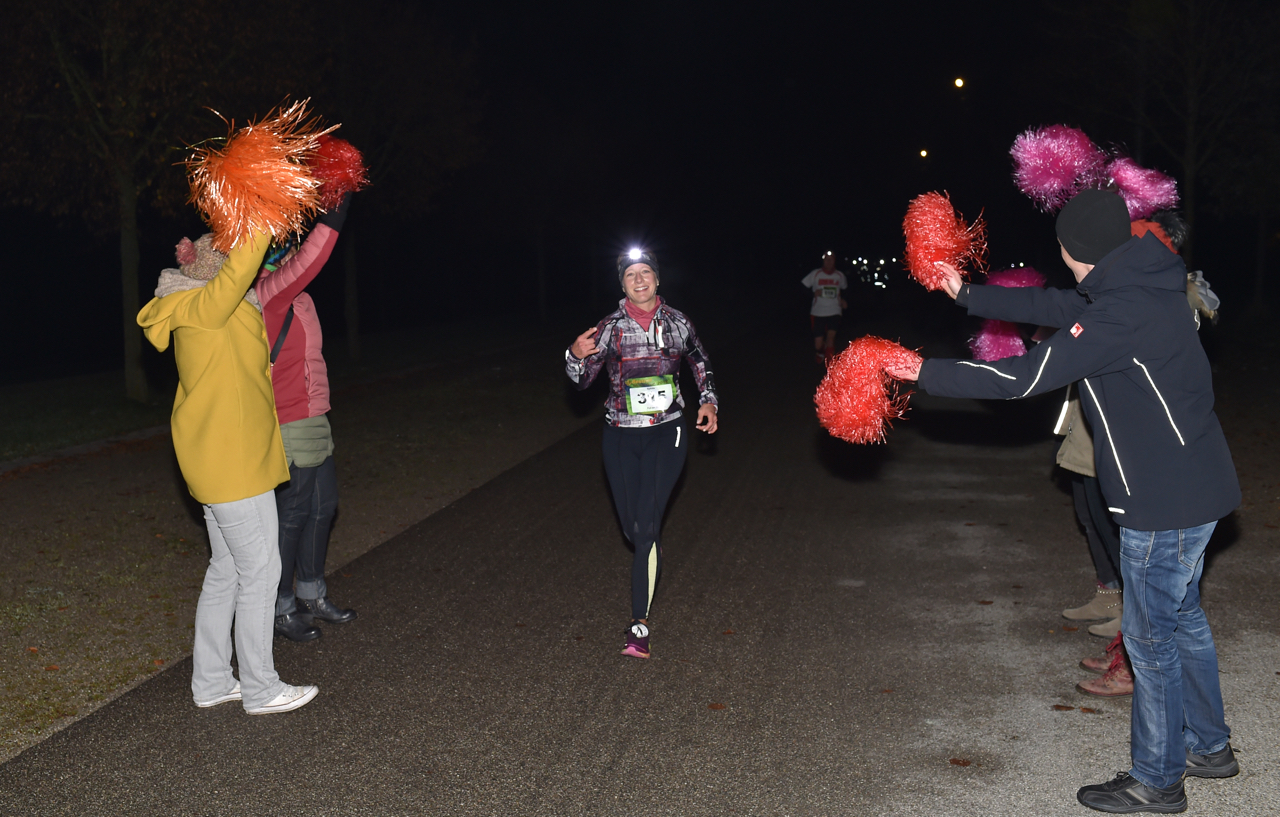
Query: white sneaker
point(233, 695)
point(289, 699)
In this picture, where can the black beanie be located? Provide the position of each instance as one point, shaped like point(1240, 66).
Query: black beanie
point(1093, 224)
point(627, 259)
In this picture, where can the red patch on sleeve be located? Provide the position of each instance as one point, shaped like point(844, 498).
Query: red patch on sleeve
point(1076, 330)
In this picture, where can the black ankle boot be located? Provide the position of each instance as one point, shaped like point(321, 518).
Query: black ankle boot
point(293, 627)
point(325, 611)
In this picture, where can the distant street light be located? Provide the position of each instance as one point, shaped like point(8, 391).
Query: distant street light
point(959, 82)
point(924, 153)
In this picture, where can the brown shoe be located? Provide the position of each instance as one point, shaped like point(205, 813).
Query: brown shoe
point(1102, 663)
point(1104, 604)
point(1107, 629)
point(1117, 683)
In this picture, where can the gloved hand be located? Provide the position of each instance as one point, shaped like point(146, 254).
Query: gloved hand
point(335, 217)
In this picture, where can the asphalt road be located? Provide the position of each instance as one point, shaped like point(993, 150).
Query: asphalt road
point(840, 630)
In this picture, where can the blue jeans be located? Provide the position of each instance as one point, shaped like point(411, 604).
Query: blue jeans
point(1177, 701)
point(307, 504)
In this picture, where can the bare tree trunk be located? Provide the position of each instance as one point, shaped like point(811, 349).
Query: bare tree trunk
point(1258, 306)
point(135, 378)
point(542, 274)
point(351, 295)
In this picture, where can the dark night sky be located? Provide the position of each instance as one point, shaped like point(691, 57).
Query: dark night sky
point(737, 139)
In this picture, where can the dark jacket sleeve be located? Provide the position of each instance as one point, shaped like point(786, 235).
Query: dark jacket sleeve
point(1043, 307)
point(1063, 359)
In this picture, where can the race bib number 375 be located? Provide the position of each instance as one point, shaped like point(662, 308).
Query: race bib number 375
point(650, 395)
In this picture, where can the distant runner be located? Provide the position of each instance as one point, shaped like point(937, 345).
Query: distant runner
point(828, 305)
point(641, 345)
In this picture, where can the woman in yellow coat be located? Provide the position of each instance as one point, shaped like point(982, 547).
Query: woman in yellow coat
point(228, 444)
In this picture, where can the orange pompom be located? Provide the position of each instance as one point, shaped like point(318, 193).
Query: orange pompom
point(935, 233)
point(857, 400)
point(259, 179)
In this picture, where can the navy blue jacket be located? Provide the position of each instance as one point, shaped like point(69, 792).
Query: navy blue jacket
point(1128, 334)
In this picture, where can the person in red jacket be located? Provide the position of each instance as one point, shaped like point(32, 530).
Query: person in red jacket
point(307, 503)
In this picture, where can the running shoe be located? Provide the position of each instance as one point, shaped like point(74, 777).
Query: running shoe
point(233, 695)
point(637, 640)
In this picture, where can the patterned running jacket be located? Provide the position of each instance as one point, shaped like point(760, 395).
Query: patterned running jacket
point(1129, 336)
point(644, 367)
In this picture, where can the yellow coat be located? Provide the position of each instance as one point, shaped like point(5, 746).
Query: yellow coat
point(224, 423)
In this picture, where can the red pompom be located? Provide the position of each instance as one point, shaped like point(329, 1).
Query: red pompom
point(857, 400)
point(340, 167)
point(935, 233)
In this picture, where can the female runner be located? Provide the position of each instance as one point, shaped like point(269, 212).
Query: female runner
point(641, 345)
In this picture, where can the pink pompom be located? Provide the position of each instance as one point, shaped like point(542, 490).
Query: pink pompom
point(1052, 164)
point(935, 233)
point(185, 252)
point(1000, 339)
point(1144, 191)
point(997, 340)
point(856, 399)
point(1016, 277)
point(338, 164)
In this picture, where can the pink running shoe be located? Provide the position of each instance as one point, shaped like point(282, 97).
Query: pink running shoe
point(637, 640)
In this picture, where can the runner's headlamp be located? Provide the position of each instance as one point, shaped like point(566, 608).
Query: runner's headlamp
point(636, 255)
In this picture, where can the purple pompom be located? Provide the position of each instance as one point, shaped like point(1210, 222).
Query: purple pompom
point(1016, 277)
point(1052, 164)
point(1000, 339)
point(1144, 191)
point(997, 340)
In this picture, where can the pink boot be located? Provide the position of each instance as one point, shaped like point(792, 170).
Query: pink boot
point(1101, 664)
point(1117, 683)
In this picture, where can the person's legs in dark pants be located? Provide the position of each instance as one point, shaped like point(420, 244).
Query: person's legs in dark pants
point(313, 543)
point(293, 503)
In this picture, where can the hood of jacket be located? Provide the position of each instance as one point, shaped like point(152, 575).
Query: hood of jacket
point(1139, 262)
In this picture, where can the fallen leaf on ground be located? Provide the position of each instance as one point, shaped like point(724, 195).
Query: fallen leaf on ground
point(886, 691)
point(33, 649)
point(715, 706)
point(970, 524)
point(158, 662)
point(1016, 586)
point(1088, 710)
point(986, 602)
point(578, 637)
point(154, 596)
point(959, 761)
point(728, 632)
point(1070, 629)
point(1063, 707)
point(51, 667)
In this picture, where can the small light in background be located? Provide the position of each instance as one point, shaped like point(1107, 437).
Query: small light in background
point(959, 82)
point(924, 153)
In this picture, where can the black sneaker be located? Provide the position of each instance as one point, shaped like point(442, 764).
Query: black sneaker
point(1127, 794)
point(1221, 763)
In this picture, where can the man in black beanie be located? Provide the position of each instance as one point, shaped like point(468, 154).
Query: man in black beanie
point(1162, 462)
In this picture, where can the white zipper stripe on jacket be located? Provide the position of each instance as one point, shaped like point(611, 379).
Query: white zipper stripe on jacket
point(988, 368)
point(1062, 415)
point(1167, 413)
point(1110, 441)
point(1043, 363)
point(677, 436)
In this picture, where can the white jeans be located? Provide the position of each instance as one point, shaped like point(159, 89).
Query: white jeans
point(240, 585)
